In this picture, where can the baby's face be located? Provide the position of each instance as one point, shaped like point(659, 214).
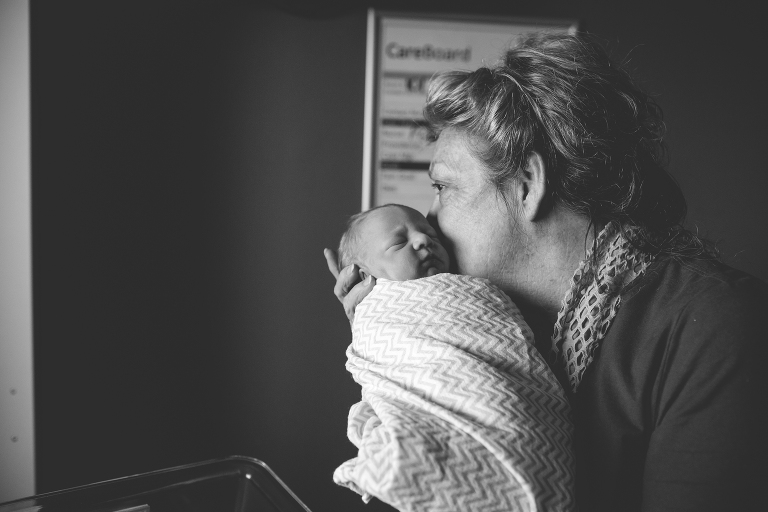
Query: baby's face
point(399, 244)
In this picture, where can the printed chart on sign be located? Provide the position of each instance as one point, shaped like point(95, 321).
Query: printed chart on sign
point(404, 53)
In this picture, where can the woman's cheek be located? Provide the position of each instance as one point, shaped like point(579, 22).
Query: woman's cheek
point(464, 261)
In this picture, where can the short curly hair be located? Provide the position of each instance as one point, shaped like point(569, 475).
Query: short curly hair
point(599, 135)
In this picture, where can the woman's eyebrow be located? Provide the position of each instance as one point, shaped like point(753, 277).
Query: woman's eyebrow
point(439, 170)
point(431, 171)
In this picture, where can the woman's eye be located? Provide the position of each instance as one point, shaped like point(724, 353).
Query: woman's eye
point(438, 187)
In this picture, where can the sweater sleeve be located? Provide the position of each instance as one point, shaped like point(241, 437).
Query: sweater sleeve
point(706, 448)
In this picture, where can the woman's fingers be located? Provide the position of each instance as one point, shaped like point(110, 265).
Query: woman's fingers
point(346, 279)
point(333, 262)
point(356, 296)
point(348, 289)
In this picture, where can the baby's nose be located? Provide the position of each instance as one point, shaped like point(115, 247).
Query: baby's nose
point(421, 241)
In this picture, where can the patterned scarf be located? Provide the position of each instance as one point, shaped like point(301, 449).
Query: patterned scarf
point(589, 307)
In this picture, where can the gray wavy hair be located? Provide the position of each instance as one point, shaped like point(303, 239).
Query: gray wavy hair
point(600, 136)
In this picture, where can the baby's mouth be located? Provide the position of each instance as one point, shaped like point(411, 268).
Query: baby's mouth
point(430, 261)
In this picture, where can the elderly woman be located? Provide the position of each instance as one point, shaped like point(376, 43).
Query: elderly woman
point(550, 182)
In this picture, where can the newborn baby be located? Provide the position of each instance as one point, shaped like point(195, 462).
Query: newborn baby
point(394, 242)
point(458, 411)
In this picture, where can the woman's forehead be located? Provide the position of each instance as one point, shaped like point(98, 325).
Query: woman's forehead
point(454, 157)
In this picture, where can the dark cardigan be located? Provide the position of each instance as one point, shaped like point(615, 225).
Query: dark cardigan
point(671, 414)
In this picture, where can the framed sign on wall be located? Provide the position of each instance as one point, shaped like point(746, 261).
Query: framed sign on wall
point(404, 51)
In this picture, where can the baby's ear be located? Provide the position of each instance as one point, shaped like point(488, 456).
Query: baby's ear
point(363, 274)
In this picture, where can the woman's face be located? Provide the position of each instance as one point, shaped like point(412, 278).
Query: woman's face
point(478, 227)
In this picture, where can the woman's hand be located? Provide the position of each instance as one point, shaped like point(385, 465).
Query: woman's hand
point(349, 289)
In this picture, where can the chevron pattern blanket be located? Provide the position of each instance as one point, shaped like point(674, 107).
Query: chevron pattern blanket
point(459, 412)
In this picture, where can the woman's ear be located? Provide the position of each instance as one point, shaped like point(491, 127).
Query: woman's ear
point(533, 188)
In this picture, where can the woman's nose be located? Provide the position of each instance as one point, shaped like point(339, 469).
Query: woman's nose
point(432, 213)
point(432, 219)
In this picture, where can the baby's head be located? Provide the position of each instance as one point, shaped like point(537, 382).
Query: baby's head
point(392, 242)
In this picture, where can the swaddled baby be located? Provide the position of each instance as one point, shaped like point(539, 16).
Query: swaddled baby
point(393, 242)
point(458, 411)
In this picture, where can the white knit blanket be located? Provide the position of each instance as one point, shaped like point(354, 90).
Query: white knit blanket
point(459, 412)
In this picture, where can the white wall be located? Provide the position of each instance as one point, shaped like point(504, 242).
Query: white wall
point(17, 447)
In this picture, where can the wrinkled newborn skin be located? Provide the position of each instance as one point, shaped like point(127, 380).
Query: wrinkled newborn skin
point(399, 244)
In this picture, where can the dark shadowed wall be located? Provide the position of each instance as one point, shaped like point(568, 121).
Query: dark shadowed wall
point(190, 161)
